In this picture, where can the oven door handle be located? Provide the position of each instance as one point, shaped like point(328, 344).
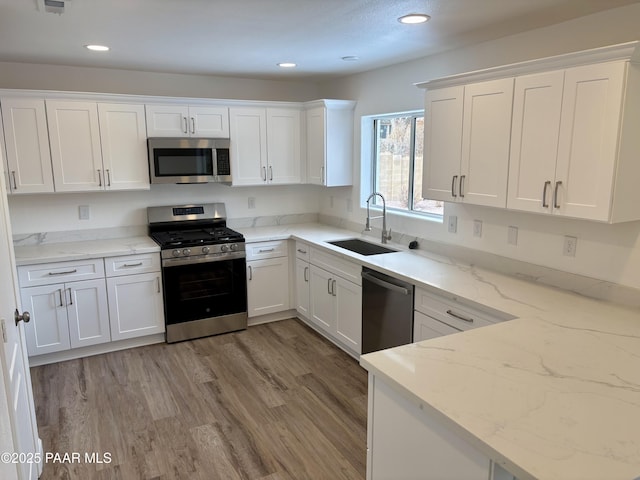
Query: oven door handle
point(177, 262)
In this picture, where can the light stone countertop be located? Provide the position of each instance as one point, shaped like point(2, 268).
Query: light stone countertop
point(82, 250)
point(553, 394)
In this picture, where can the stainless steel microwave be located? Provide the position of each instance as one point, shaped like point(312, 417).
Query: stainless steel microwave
point(189, 160)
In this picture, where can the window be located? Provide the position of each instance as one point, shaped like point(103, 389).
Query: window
point(397, 164)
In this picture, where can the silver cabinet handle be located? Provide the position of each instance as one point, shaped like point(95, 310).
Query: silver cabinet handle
point(185, 125)
point(264, 174)
point(99, 178)
point(66, 272)
point(459, 316)
point(60, 292)
point(333, 288)
point(270, 173)
point(306, 274)
point(250, 272)
point(329, 286)
point(304, 252)
point(130, 265)
point(193, 125)
point(544, 194)
point(108, 175)
point(555, 195)
point(158, 283)
point(70, 296)
point(265, 250)
point(461, 191)
point(13, 175)
point(453, 186)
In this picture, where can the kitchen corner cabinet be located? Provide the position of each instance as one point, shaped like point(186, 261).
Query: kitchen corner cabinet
point(329, 142)
point(467, 134)
point(89, 156)
point(187, 121)
point(27, 145)
point(265, 145)
point(336, 299)
point(267, 277)
point(575, 143)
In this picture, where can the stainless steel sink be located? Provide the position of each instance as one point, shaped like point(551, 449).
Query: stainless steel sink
point(360, 246)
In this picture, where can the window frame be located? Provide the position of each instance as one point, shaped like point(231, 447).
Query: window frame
point(374, 160)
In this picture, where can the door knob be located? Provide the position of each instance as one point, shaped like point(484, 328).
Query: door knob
point(25, 317)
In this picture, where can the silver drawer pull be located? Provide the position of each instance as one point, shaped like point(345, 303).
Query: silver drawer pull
point(302, 251)
point(129, 265)
point(460, 317)
point(63, 273)
point(265, 250)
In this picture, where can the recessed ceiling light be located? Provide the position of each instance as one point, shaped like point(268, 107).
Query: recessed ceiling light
point(351, 58)
point(414, 18)
point(287, 65)
point(97, 48)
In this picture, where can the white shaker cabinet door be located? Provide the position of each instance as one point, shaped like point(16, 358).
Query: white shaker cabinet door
point(348, 298)
point(123, 135)
point(267, 286)
point(283, 146)
point(74, 136)
point(589, 133)
point(303, 276)
point(535, 130)
point(27, 145)
point(323, 312)
point(209, 122)
point(167, 120)
point(48, 330)
point(248, 145)
point(135, 305)
point(442, 143)
point(87, 312)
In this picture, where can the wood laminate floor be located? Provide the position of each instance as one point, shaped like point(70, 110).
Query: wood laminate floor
point(275, 402)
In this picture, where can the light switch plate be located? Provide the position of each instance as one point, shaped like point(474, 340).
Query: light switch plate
point(453, 224)
point(251, 203)
point(512, 235)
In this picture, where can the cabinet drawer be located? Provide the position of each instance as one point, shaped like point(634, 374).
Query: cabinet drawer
point(132, 264)
point(48, 273)
point(451, 312)
point(262, 250)
point(425, 327)
point(347, 270)
point(303, 251)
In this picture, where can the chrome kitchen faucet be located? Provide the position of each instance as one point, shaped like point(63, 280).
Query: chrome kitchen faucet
point(386, 234)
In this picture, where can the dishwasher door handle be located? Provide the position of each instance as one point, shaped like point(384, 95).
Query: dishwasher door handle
point(384, 284)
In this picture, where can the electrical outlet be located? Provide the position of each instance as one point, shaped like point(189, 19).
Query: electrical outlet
point(512, 235)
point(251, 203)
point(84, 212)
point(453, 224)
point(570, 245)
point(477, 228)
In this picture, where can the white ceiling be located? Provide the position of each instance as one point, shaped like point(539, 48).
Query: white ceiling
point(248, 38)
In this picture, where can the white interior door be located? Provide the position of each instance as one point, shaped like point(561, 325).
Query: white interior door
point(18, 429)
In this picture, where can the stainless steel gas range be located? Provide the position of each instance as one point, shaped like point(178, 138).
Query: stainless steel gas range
point(203, 270)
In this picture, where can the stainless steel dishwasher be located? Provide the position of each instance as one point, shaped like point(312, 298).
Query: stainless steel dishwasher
point(387, 311)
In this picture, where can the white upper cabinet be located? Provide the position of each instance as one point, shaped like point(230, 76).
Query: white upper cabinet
point(568, 152)
point(187, 121)
point(97, 147)
point(265, 145)
point(467, 132)
point(27, 145)
point(329, 142)
point(572, 140)
point(74, 134)
point(123, 138)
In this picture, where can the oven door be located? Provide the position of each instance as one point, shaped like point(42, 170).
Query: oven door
point(197, 291)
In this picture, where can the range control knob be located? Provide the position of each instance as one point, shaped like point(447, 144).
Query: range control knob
point(176, 253)
point(186, 252)
point(233, 247)
point(224, 248)
point(205, 250)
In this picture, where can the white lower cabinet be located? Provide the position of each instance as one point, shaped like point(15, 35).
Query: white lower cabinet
point(303, 286)
point(130, 316)
point(335, 302)
point(406, 441)
point(267, 277)
point(73, 305)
